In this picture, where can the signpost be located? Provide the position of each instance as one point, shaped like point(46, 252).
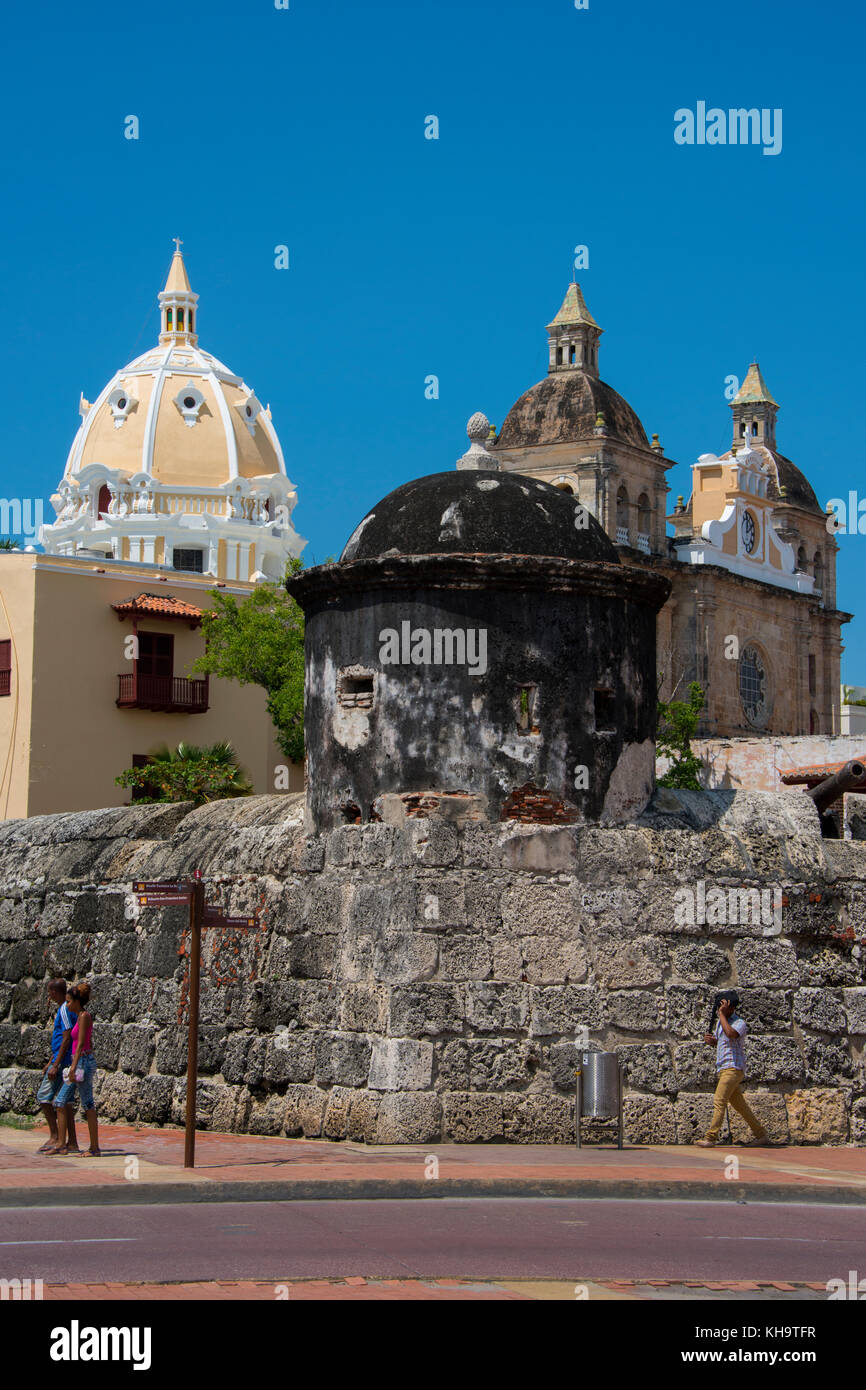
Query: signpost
point(201, 915)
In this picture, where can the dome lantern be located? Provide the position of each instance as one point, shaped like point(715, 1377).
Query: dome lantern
point(178, 304)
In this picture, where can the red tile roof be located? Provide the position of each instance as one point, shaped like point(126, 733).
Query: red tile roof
point(158, 606)
point(817, 772)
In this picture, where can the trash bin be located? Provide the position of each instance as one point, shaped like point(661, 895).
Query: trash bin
point(599, 1090)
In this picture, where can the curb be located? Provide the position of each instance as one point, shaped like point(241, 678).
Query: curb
point(372, 1189)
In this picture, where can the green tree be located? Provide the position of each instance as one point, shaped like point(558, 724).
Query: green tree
point(260, 641)
point(8, 544)
point(677, 724)
point(188, 773)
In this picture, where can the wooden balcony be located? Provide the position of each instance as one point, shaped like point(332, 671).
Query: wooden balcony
point(170, 694)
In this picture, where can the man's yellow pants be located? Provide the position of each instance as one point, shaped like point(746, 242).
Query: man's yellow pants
point(728, 1092)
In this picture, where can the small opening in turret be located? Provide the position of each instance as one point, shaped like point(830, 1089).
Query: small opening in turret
point(605, 711)
point(527, 709)
point(355, 690)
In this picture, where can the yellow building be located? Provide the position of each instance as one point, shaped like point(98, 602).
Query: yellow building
point(175, 485)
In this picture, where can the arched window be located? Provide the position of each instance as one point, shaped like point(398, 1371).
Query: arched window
point(565, 487)
point(818, 569)
point(190, 321)
point(644, 522)
point(622, 515)
point(742, 429)
point(802, 562)
point(180, 320)
point(168, 319)
point(559, 357)
point(104, 499)
point(571, 352)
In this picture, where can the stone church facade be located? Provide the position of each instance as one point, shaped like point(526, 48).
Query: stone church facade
point(752, 614)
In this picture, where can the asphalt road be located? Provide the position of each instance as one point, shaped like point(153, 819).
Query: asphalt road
point(484, 1238)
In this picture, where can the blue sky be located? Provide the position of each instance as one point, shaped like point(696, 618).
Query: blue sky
point(412, 257)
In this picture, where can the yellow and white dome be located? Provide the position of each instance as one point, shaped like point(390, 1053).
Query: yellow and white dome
point(177, 453)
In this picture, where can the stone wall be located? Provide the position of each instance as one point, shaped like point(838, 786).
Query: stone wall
point(414, 982)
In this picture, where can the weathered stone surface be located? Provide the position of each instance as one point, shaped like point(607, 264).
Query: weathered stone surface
point(136, 1049)
point(649, 1067)
point(529, 909)
point(343, 1059)
point(648, 1120)
point(636, 1011)
point(464, 957)
point(537, 1119)
point(400, 1064)
point(766, 963)
point(468, 1118)
point(625, 965)
point(820, 1010)
point(118, 1097)
point(496, 1008)
point(426, 1010)
point(305, 1111)
point(409, 1117)
point(564, 1009)
point(702, 962)
point(817, 1117)
point(855, 1009)
point(773, 1057)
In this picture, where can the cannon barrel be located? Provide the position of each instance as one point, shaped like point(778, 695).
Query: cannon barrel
point(850, 778)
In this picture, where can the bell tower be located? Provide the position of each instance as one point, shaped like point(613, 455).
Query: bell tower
point(573, 336)
point(754, 412)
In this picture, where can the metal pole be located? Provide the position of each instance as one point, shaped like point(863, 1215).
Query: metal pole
point(196, 913)
point(579, 1104)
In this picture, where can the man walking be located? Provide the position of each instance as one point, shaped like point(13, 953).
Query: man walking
point(52, 1072)
point(728, 1036)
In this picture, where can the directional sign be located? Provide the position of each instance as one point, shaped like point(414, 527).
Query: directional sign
point(172, 894)
point(214, 918)
point(163, 899)
point(174, 886)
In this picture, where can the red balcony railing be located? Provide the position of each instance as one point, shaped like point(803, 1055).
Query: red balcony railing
point(171, 694)
point(5, 682)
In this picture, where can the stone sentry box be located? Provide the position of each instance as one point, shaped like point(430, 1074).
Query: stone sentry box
point(479, 650)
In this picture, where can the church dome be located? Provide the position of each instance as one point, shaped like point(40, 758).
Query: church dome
point(177, 413)
point(481, 512)
point(177, 463)
point(564, 408)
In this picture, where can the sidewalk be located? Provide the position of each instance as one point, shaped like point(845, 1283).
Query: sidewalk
point(141, 1165)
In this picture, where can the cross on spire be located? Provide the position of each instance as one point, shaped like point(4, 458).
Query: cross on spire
point(178, 243)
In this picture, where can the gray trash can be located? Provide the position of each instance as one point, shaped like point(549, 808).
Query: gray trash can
point(599, 1090)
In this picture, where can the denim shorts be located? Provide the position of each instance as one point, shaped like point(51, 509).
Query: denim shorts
point(66, 1094)
point(49, 1086)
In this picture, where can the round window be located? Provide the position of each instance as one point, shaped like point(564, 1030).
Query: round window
point(249, 410)
point(189, 402)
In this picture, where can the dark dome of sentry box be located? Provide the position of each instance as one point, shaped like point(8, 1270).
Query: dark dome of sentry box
point(479, 651)
point(479, 513)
